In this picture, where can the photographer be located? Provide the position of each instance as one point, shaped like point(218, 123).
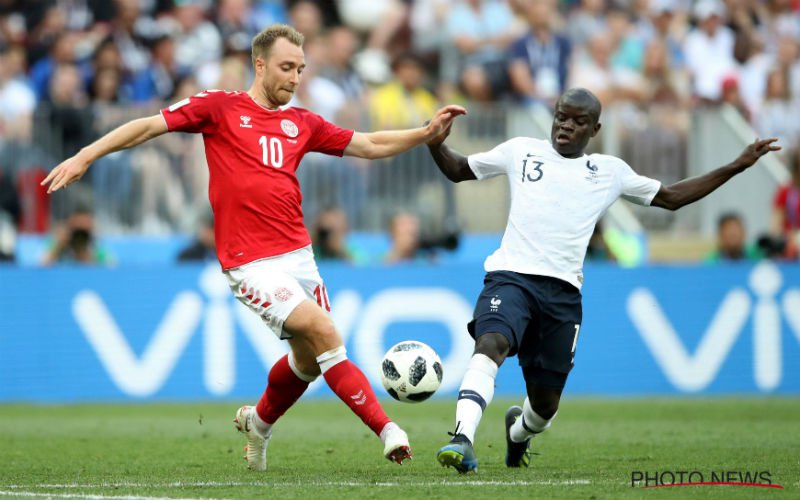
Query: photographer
point(329, 236)
point(75, 242)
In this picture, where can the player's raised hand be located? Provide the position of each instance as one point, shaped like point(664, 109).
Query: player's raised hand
point(67, 172)
point(756, 150)
point(439, 127)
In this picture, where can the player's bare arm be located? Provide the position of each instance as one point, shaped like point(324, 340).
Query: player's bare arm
point(688, 191)
point(453, 164)
point(125, 136)
point(375, 145)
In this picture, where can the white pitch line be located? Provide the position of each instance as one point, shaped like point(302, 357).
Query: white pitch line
point(21, 493)
point(223, 484)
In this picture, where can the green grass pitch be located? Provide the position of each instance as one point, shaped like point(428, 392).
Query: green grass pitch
point(321, 451)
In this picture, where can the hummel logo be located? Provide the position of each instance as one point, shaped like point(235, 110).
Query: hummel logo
point(359, 398)
point(245, 121)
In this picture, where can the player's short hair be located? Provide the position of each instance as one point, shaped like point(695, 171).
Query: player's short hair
point(584, 98)
point(263, 42)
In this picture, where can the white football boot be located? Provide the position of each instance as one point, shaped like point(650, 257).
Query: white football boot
point(256, 449)
point(395, 445)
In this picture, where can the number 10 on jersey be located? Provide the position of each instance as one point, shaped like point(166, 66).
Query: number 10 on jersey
point(271, 151)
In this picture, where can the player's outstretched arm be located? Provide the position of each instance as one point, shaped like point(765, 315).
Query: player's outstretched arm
point(688, 191)
point(387, 143)
point(125, 136)
point(453, 164)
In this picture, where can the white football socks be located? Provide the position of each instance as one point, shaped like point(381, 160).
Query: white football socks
point(475, 394)
point(533, 424)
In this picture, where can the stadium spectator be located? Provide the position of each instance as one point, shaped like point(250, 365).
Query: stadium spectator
point(597, 250)
point(709, 50)
point(379, 20)
point(778, 114)
point(253, 148)
point(587, 18)
point(481, 31)
point(106, 56)
point(74, 242)
point(197, 40)
point(732, 95)
point(628, 47)
point(17, 100)
point(661, 28)
point(404, 237)
point(236, 19)
point(202, 248)
point(318, 92)
point(786, 209)
point(594, 71)
point(787, 57)
point(129, 32)
point(531, 301)
point(44, 23)
point(663, 85)
point(540, 59)
point(329, 236)
point(752, 67)
point(62, 52)
point(732, 241)
point(68, 113)
point(9, 214)
point(403, 101)
point(425, 22)
point(157, 81)
point(341, 44)
point(306, 17)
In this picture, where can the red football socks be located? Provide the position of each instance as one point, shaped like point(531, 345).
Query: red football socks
point(352, 387)
point(283, 389)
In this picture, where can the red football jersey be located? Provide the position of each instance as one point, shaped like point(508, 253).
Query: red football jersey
point(253, 154)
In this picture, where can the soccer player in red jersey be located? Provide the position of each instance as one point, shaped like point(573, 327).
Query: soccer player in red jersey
point(253, 147)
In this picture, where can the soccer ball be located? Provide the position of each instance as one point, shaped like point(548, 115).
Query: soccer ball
point(411, 371)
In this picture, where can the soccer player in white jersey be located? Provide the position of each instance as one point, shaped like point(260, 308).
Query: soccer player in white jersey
point(253, 146)
point(531, 301)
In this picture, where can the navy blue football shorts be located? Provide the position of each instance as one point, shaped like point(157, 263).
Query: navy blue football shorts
point(539, 315)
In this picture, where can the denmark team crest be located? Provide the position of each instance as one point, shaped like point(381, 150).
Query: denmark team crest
point(289, 128)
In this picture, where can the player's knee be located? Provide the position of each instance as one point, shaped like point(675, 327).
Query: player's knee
point(493, 345)
point(322, 333)
point(305, 362)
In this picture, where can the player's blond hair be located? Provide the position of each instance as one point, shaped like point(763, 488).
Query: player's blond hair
point(263, 42)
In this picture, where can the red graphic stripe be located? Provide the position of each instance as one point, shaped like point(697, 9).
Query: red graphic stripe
point(708, 483)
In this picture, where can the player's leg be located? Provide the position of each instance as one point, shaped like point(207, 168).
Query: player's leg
point(474, 395)
point(501, 310)
point(317, 335)
point(477, 385)
point(288, 379)
point(547, 356)
point(544, 388)
point(271, 294)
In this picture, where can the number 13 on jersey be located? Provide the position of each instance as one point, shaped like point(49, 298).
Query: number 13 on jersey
point(271, 151)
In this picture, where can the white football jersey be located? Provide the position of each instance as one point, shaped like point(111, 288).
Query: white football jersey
point(555, 204)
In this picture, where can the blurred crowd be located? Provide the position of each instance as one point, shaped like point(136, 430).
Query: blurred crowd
point(400, 56)
point(72, 69)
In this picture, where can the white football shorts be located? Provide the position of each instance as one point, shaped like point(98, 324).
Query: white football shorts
point(275, 286)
